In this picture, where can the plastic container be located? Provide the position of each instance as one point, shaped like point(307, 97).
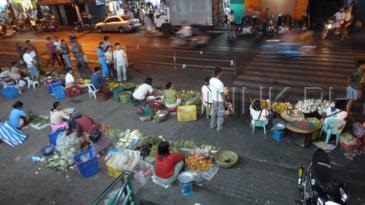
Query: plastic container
point(87, 163)
point(73, 91)
point(186, 183)
point(125, 97)
point(54, 83)
point(59, 92)
point(10, 92)
point(277, 135)
point(115, 160)
point(116, 93)
point(186, 113)
point(142, 171)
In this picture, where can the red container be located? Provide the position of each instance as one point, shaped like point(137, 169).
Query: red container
point(73, 91)
point(349, 148)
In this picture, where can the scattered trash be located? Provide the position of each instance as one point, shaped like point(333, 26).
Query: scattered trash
point(183, 66)
point(36, 173)
point(36, 159)
point(17, 159)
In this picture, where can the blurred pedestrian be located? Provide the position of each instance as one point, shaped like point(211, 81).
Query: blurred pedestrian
point(110, 61)
point(33, 51)
point(265, 21)
point(217, 89)
point(57, 44)
point(79, 54)
point(101, 57)
point(65, 53)
point(20, 51)
point(120, 62)
point(53, 56)
point(31, 63)
point(106, 42)
point(231, 26)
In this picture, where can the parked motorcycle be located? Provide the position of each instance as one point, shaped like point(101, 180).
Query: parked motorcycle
point(192, 42)
point(315, 183)
point(284, 23)
point(331, 26)
point(249, 25)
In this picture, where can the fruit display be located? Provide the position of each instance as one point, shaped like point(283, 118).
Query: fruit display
point(126, 139)
point(123, 86)
point(280, 107)
point(198, 162)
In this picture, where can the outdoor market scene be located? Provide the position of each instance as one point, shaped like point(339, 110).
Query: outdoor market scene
point(160, 102)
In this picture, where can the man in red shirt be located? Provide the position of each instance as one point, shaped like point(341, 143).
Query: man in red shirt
point(168, 166)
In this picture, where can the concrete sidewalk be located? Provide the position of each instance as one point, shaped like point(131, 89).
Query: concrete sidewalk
point(265, 174)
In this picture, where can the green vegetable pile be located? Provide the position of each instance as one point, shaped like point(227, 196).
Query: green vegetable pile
point(180, 145)
point(189, 96)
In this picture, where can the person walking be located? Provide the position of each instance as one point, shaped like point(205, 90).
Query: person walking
point(231, 26)
point(120, 62)
point(33, 51)
point(110, 61)
point(106, 42)
point(57, 44)
point(265, 21)
point(217, 89)
point(79, 54)
point(65, 53)
point(102, 60)
point(31, 63)
point(53, 56)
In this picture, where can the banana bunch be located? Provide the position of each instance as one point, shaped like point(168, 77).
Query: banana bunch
point(280, 107)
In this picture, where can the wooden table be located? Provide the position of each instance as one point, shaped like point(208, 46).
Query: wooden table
point(292, 117)
point(301, 130)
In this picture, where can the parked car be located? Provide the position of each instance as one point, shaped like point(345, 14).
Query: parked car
point(118, 23)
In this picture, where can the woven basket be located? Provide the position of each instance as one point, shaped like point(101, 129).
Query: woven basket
point(226, 158)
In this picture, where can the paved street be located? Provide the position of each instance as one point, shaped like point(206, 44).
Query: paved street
point(266, 172)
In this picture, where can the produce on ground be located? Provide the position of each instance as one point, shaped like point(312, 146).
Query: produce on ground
point(280, 107)
point(128, 139)
point(189, 95)
point(312, 105)
point(67, 147)
point(198, 162)
point(207, 150)
point(180, 145)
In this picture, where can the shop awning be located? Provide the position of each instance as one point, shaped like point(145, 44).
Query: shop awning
point(53, 2)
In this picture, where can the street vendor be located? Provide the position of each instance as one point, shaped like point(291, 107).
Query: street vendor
point(69, 78)
point(58, 117)
point(92, 131)
point(143, 90)
point(168, 165)
point(257, 113)
point(18, 118)
point(171, 96)
point(206, 96)
point(334, 112)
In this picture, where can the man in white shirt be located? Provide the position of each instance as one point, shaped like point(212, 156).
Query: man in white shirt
point(143, 90)
point(120, 62)
point(217, 89)
point(57, 43)
point(69, 78)
point(31, 64)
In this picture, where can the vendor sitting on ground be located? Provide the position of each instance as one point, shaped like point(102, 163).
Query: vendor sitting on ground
point(171, 96)
point(92, 131)
point(69, 78)
point(168, 166)
point(58, 117)
point(143, 90)
point(97, 79)
point(334, 111)
point(18, 118)
point(257, 113)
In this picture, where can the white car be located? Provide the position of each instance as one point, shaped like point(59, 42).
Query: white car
point(118, 24)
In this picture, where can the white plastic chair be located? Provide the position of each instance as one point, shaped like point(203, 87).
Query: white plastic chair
point(92, 91)
point(31, 83)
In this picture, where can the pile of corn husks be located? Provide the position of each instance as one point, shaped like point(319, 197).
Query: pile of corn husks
point(67, 147)
point(312, 105)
